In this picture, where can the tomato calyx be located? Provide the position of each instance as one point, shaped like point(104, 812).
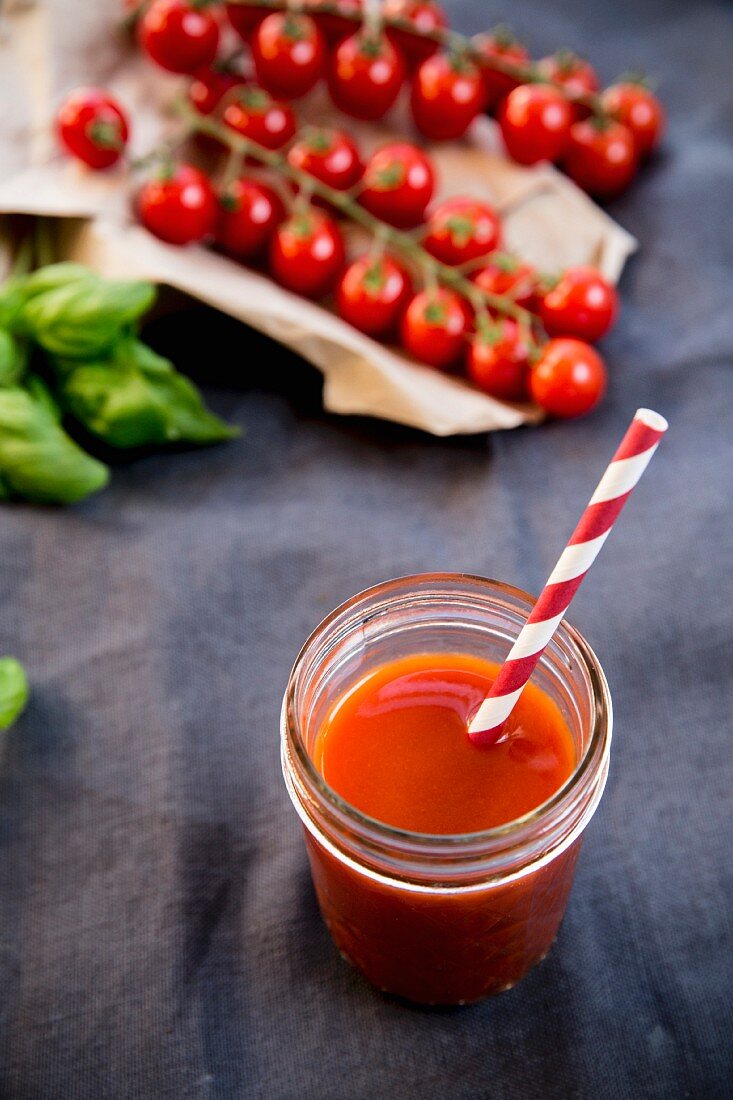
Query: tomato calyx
point(435, 311)
point(318, 139)
point(255, 99)
point(567, 62)
point(503, 36)
point(461, 228)
point(390, 177)
point(293, 28)
point(375, 277)
point(371, 44)
point(301, 224)
point(488, 331)
point(105, 134)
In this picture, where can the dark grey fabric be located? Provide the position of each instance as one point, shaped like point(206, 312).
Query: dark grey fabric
point(158, 933)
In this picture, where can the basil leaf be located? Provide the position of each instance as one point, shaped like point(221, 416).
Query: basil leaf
point(13, 691)
point(38, 460)
point(84, 317)
point(12, 358)
point(50, 277)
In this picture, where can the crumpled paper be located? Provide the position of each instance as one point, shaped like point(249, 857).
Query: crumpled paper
point(47, 48)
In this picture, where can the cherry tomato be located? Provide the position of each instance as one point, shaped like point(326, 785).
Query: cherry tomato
point(600, 157)
point(249, 213)
point(447, 94)
point(582, 303)
point(207, 90)
point(307, 254)
point(334, 26)
point(398, 184)
point(498, 360)
point(569, 378)
point(245, 17)
point(372, 294)
point(535, 123)
point(365, 75)
point(329, 155)
point(638, 109)
point(503, 46)
point(289, 54)
point(256, 115)
point(570, 71)
point(434, 326)
point(179, 35)
point(179, 206)
point(424, 16)
point(507, 275)
point(92, 126)
point(460, 230)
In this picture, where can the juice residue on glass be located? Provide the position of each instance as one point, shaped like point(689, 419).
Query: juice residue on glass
point(396, 747)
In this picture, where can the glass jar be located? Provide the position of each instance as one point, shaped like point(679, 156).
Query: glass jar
point(433, 918)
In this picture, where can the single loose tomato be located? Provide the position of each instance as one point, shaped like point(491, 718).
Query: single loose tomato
point(497, 360)
point(639, 109)
point(289, 54)
point(179, 35)
point(307, 254)
point(398, 184)
point(256, 115)
point(245, 17)
point(249, 213)
point(365, 75)
point(569, 378)
point(447, 94)
point(509, 276)
point(600, 157)
point(581, 303)
point(334, 25)
point(535, 123)
point(421, 17)
point(372, 294)
point(92, 126)
point(462, 229)
point(434, 326)
point(178, 205)
point(569, 71)
point(501, 46)
point(329, 156)
point(209, 87)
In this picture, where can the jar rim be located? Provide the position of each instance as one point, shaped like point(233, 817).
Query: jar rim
point(600, 704)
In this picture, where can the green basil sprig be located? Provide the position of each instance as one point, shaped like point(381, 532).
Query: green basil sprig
point(13, 691)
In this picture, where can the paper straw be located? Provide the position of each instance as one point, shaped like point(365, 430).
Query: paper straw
point(614, 489)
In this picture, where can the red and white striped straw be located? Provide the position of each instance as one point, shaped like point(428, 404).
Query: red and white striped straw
point(614, 489)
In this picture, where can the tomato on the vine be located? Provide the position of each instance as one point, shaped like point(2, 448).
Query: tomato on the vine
point(330, 156)
point(434, 325)
point(209, 87)
point(568, 379)
point(372, 294)
point(92, 126)
point(535, 123)
point(462, 229)
point(289, 53)
point(179, 35)
point(507, 275)
point(600, 157)
point(500, 45)
point(447, 94)
point(581, 303)
point(422, 15)
point(569, 71)
point(178, 205)
point(497, 360)
point(398, 184)
point(307, 253)
point(256, 115)
point(249, 213)
point(639, 109)
point(245, 17)
point(333, 25)
point(365, 75)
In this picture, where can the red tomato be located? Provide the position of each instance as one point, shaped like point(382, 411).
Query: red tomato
point(424, 16)
point(307, 254)
point(509, 276)
point(535, 123)
point(245, 17)
point(498, 361)
point(569, 378)
point(372, 294)
point(92, 126)
point(638, 109)
point(179, 35)
point(256, 115)
point(447, 94)
point(329, 155)
point(178, 206)
point(207, 90)
point(365, 75)
point(600, 157)
point(289, 54)
point(434, 326)
point(398, 184)
point(570, 71)
point(460, 230)
point(332, 25)
point(501, 45)
point(582, 303)
point(249, 213)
